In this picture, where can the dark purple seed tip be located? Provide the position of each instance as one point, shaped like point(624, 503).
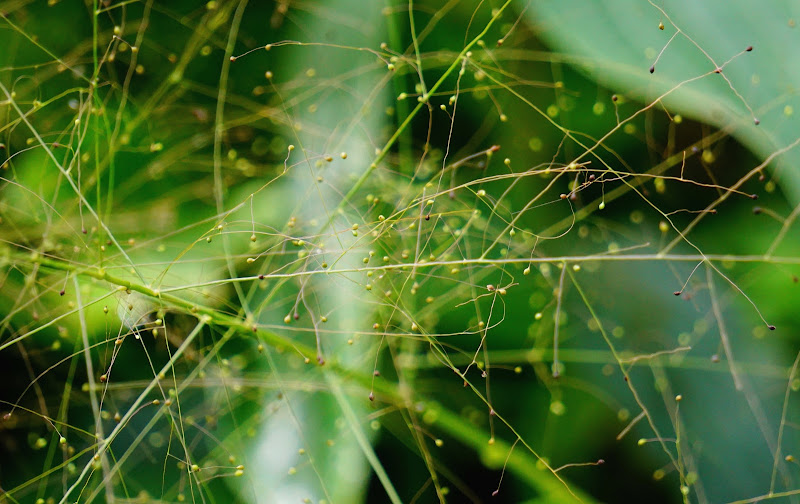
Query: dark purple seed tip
point(771, 327)
point(600, 461)
point(757, 210)
point(614, 98)
point(754, 196)
point(677, 293)
point(494, 494)
point(756, 121)
point(652, 69)
point(749, 48)
point(371, 396)
point(62, 292)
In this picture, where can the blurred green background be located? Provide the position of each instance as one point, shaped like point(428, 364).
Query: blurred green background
point(349, 245)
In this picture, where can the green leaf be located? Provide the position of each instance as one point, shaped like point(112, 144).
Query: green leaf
point(618, 41)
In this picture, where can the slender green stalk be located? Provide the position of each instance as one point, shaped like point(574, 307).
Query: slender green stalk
point(355, 426)
point(454, 425)
point(104, 444)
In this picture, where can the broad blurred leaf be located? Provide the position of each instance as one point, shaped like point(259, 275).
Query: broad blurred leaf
point(618, 41)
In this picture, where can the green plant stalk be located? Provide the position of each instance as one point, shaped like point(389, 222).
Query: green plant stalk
point(97, 103)
point(93, 399)
point(415, 42)
point(104, 444)
point(219, 196)
point(398, 81)
point(355, 426)
point(459, 428)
